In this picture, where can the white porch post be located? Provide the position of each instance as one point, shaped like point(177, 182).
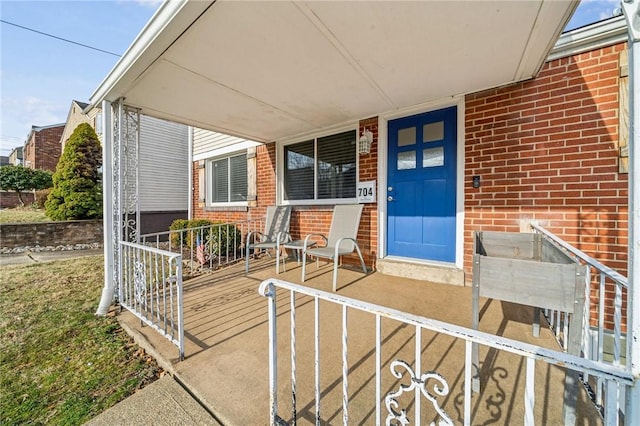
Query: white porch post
point(631, 10)
point(190, 167)
point(107, 209)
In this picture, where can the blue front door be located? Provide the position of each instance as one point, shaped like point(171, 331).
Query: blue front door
point(421, 186)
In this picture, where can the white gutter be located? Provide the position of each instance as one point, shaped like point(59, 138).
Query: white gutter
point(631, 10)
point(190, 171)
point(590, 37)
point(107, 209)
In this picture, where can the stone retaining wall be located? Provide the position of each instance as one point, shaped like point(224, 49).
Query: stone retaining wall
point(51, 233)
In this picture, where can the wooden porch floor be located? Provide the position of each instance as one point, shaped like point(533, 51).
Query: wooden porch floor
point(226, 351)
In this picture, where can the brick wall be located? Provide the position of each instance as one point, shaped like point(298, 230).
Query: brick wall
point(547, 149)
point(43, 148)
point(51, 233)
point(9, 199)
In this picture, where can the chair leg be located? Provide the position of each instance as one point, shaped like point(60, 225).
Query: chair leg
point(364, 267)
point(277, 260)
point(246, 268)
point(335, 272)
point(304, 264)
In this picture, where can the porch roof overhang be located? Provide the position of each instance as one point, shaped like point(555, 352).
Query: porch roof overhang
point(272, 70)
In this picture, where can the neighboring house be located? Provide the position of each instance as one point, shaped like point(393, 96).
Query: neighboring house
point(42, 148)
point(75, 117)
point(164, 173)
point(15, 157)
point(163, 153)
point(4, 160)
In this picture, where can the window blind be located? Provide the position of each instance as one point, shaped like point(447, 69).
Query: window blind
point(238, 178)
point(299, 170)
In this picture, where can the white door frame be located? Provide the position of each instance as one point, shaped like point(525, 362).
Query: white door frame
point(383, 145)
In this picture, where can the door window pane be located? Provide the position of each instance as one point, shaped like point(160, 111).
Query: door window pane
point(433, 132)
point(433, 157)
point(406, 160)
point(407, 136)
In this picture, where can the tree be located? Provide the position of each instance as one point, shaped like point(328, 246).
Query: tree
point(77, 190)
point(18, 178)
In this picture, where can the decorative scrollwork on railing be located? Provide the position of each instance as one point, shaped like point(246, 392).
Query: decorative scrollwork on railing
point(131, 229)
point(440, 388)
point(140, 283)
point(211, 242)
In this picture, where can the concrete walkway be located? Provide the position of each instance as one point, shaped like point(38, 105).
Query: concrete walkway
point(164, 402)
point(27, 257)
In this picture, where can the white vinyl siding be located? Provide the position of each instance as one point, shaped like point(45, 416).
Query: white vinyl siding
point(164, 165)
point(207, 144)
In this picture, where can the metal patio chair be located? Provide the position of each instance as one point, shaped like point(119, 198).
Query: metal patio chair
point(276, 232)
point(341, 239)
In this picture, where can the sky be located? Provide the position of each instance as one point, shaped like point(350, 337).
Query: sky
point(41, 75)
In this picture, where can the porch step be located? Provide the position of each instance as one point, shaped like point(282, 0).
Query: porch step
point(421, 271)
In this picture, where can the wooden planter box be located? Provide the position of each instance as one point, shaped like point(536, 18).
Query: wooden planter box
point(526, 268)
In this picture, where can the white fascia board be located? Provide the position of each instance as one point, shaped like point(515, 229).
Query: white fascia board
point(236, 147)
point(590, 37)
point(165, 26)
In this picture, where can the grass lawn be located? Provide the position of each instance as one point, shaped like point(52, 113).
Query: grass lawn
point(59, 363)
point(22, 215)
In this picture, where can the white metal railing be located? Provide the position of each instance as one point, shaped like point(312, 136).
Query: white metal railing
point(151, 288)
point(594, 341)
point(209, 245)
point(613, 376)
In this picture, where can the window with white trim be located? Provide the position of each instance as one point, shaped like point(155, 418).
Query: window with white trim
point(323, 168)
point(227, 180)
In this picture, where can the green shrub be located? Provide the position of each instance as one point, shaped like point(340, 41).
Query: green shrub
point(77, 190)
point(19, 179)
point(41, 198)
point(218, 239)
point(177, 237)
point(224, 239)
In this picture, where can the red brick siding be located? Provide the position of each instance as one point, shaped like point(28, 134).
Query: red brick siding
point(547, 149)
point(43, 150)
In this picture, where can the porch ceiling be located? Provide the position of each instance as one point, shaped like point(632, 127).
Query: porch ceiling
point(271, 70)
